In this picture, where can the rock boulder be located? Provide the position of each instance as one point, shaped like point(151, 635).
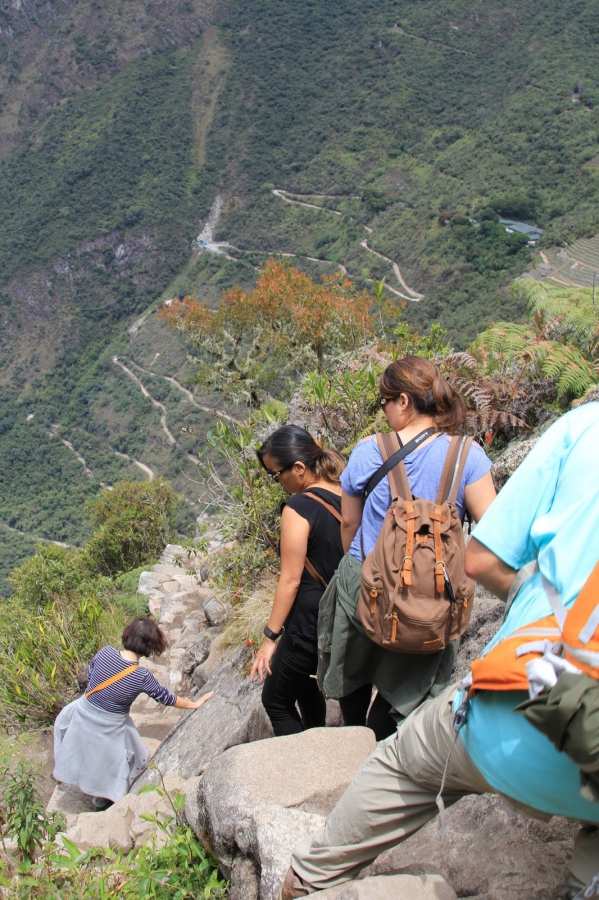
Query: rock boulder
point(233, 716)
point(256, 801)
point(489, 852)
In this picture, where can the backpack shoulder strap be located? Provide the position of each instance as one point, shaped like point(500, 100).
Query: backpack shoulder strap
point(311, 568)
point(328, 506)
point(398, 479)
point(453, 469)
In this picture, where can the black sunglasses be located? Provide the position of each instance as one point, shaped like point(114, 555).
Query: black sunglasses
point(275, 475)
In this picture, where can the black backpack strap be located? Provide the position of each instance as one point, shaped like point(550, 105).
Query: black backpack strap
point(396, 456)
point(453, 469)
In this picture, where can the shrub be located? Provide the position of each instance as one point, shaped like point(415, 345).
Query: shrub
point(42, 653)
point(55, 573)
point(133, 523)
point(23, 816)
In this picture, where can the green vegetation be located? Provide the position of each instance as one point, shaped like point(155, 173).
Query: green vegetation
point(101, 163)
point(64, 607)
point(24, 818)
point(133, 523)
point(407, 126)
point(174, 868)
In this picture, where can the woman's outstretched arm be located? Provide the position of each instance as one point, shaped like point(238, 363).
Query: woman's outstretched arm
point(294, 547)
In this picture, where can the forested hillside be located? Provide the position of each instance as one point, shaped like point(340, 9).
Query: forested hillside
point(366, 137)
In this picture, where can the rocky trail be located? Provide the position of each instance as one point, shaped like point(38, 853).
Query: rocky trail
point(170, 437)
point(180, 387)
point(205, 239)
point(251, 798)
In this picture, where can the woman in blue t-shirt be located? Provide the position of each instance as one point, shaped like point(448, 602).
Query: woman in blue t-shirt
point(310, 551)
point(415, 397)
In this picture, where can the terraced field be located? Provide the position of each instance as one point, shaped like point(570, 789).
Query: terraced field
point(580, 267)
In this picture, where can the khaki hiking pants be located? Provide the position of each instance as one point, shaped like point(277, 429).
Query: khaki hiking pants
point(387, 801)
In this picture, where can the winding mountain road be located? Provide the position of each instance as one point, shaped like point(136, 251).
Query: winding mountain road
point(171, 438)
point(411, 295)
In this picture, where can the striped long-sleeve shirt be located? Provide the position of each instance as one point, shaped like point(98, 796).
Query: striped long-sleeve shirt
point(119, 696)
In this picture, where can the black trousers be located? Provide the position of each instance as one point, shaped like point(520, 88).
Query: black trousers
point(290, 696)
point(381, 717)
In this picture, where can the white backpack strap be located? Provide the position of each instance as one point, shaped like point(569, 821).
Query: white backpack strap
point(559, 610)
point(521, 576)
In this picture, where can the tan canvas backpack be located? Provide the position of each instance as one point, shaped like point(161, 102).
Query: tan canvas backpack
point(415, 596)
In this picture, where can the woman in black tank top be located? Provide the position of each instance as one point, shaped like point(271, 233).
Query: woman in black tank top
point(310, 552)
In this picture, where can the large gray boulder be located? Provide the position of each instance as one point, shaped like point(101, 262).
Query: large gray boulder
point(392, 887)
point(489, 852)
point(256, 801)
point(233, 716)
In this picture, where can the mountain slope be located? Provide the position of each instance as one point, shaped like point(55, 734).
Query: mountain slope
point(361, 134)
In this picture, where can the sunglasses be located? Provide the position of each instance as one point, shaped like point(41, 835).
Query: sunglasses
point(275, 475)
point(385, 400)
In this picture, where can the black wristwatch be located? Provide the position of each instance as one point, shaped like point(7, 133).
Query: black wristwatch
point(273, 635)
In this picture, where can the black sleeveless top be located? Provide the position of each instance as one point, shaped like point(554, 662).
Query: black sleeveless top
point(324, 552)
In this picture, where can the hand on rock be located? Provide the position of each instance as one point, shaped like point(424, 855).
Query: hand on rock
point(263, 658)
point(203, 700)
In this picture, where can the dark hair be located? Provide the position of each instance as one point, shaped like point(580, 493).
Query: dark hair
point(143, 636)
point(291, 444)
point(429, 392)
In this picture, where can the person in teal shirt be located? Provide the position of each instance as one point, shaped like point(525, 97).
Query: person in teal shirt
point(547, 512)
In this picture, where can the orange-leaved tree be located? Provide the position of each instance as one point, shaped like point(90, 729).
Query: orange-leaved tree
point(286, 324)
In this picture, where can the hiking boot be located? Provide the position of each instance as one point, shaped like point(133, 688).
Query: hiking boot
point(590, 890)
point(574, 889)
point(293, 887)
point(100, 803)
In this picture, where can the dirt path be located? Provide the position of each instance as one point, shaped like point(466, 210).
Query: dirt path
point(282, 195)
point(189, 395)
point(396, 29)
point(54, 433)
point(415, 296)
point(137, 463)
point(35, 536)
point(146, 393)
point(411, 294)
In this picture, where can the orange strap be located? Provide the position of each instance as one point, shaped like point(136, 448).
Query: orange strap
point(111, 680)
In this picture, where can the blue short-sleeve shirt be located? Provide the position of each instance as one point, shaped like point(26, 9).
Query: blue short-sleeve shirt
point(424, 467)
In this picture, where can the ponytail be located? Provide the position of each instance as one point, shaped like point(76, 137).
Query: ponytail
point(430, 393)
point(290, 444)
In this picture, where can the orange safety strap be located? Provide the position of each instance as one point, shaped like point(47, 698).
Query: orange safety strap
point(112, 680)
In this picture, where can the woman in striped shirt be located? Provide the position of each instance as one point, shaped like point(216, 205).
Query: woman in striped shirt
point(96, 744)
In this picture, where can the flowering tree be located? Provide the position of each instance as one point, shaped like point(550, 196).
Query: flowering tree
point(287, 323)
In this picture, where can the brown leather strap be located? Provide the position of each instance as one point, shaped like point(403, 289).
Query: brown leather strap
point(464, 451)
point(407, 563)
point(438, 517)
point(315, 573)
point(330, 508)
point(307, 564)
point(112, 680)
point(448, 469)
point(398, 480)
